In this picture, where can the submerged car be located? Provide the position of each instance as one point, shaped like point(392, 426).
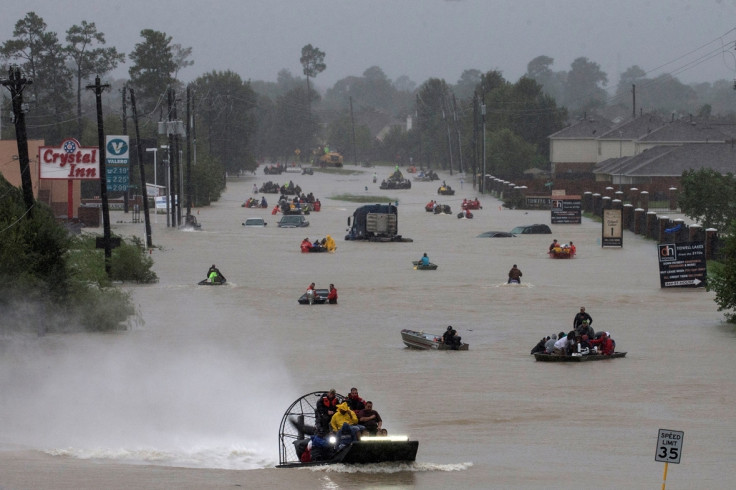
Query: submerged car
point(495, 234)
point(532, 229)
point(258, 222)
point(293, 221)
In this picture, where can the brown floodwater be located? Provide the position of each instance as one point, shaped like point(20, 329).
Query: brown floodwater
point(192, 395)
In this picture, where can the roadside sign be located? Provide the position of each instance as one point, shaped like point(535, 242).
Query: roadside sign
point(669, 446)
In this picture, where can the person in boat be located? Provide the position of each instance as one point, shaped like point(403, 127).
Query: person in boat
point(355, 402)
point(585, 345)
point(572, 248)
point(607, 344)
point(562, 344)
point(585, 329)
point(424, 260)
point(549, 346)
point(306, 246)
point(554, 245)
point(214, 274)
point(319, 448)
point(370, 419)
point(539, 347)
point(580, 317)
point(326, 408)
point(332, 295)
point(515, 275)
point(451, 338)
point(330, 244)
point(264, 203)
point(345, 416)
point(317, 246)
point(311, 293)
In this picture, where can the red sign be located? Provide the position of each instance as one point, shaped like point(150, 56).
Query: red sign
point(70, 161)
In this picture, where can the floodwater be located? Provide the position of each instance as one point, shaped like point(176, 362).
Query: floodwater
point(191, 397)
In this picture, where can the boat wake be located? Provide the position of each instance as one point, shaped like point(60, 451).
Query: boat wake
point(389, 467)
point(229, 458)
point(514, 285)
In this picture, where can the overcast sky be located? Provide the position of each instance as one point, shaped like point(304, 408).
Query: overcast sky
point(692, 39)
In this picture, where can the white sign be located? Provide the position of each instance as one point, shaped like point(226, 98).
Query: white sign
point(68, 161)
point(669, 446)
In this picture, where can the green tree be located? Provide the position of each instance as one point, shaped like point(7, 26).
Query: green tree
point(83, 47)
point(295, 126)
point(313, 64)
point(42, 59)
point(583, 89)
point(152, 70)
point(340, 138)
point(708, 197)
point(225, 106)
point(722, 276)
point(465, 86)
point(508, 155)
point(430, 123)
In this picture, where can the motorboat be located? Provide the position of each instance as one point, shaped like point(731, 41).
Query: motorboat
point(319, 298)
point(418, 266)
point(426, 341)
point(576, 357)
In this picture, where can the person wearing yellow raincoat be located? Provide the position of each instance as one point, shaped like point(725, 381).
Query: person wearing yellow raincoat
point(330, 244)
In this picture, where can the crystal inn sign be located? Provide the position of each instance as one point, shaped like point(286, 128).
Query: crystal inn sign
point(70, 161)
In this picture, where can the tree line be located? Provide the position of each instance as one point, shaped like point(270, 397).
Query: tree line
point(238, 122)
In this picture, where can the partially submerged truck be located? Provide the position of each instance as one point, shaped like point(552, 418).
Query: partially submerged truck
point(375, 223)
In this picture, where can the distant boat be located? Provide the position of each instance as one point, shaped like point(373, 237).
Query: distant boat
point(426, 341)
point(418, 266)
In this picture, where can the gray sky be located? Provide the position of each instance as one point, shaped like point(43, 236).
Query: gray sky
point(417, 38)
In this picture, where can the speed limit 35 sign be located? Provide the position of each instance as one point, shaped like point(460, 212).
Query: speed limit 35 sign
point(669, 446)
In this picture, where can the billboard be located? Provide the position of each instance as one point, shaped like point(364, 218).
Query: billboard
point(566, 210)
point(117, 155)
point(612, 233)
point(682, 265)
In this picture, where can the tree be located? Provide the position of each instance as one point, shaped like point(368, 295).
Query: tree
point(552, 82)
point(722, 277)
point(180, 56)
point(583, 89)
point(465, 86)
point(152, 70)
point(708, 197)
point(509, 155)
point(89, 60)
point(225, 108)
point(312, 61)
point(43, 60)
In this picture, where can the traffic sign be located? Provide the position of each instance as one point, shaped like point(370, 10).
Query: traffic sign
point(669, 446)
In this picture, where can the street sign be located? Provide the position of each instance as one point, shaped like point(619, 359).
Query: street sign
point(669, 446)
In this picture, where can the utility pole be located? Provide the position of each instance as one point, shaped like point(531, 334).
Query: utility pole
point(483, 176)
point(457, 130)
point(98, 87)
point(170, 150)
point(352, 122)
point(177, 170)
point(15, 83)
point(144, 189)
point(633, 96)
point(447, 127)
point(475, 139)
point(125, 132)
point(189, 153)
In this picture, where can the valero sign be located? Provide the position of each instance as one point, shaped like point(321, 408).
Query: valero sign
point(69, 161)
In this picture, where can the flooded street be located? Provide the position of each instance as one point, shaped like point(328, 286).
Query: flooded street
point(192, 395)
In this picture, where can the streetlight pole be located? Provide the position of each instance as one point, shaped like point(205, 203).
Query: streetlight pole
point(155, 182)
point(483, 177)
point(168, 184)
